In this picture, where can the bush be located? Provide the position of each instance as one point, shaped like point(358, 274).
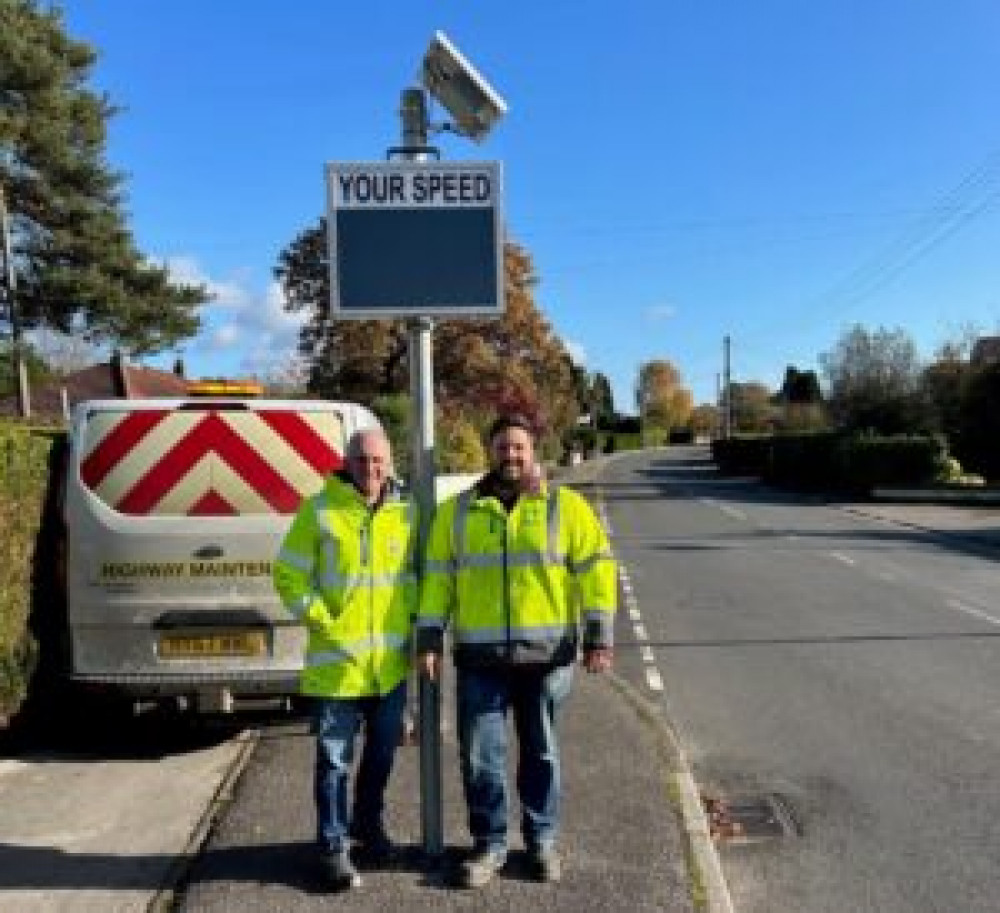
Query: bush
point(893, 460)
point(459, 448)
point(805, 461)
point(393, 411)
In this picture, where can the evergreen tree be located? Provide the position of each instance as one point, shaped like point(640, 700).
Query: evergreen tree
point(78, 267)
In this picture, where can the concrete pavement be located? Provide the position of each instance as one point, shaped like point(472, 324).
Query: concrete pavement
point(625, 840)
point(102, 825)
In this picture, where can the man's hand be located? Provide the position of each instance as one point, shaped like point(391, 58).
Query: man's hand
point(600, 659)
point(429, 664)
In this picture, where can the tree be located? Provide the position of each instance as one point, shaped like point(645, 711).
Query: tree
point(801, 401)
point(799, 387)
point(581, 385)
point(979, 421)
point(481, 367)
point(601, 402)
point(78, 268)
point(874, 381)
point(704, 419)
point(753, 410)
point(664, 404)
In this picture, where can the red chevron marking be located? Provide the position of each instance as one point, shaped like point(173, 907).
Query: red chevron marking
point(210, 435)
point(303, 439)
point(117, 444)
point(212, 504)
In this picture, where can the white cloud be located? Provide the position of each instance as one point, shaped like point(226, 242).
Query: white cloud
point(656, 313)
point(225, 293)
point(225, 337)
point(576, 351)
point(242, 324)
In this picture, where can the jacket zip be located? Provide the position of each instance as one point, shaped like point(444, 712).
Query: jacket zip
point(506, 586)
point(366, 536)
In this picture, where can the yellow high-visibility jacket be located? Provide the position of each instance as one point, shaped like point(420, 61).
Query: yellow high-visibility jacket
point(346, 570)
point(517, 587)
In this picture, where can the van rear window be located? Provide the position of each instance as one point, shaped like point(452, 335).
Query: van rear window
point(209, 461)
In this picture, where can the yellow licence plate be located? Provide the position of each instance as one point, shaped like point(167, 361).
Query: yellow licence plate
point(243, 643)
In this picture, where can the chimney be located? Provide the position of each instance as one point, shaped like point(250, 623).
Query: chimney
point(119, 375)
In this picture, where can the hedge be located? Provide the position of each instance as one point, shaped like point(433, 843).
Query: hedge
point(833, 461)
point(25, 457)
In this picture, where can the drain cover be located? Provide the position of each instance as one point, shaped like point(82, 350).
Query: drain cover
point(749, 819)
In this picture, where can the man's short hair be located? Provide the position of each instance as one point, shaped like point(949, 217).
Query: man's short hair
point(512, 420)
point(354, 444)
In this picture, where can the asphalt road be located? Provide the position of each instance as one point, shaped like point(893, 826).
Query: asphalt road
point(847, 666)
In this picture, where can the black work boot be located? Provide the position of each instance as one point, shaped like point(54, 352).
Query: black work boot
point(338, 870)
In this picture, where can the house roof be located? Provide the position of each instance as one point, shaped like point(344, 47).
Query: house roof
point(109, 380)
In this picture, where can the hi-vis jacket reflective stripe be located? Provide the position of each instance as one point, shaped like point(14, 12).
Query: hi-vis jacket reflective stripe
point(347, 572)
point(516, 587)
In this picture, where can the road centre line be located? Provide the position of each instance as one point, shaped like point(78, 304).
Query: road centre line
point(975, 613)
point(633, 613)
point(646, 652)
point(733, 512)
point(640, 631)
point(653, 679)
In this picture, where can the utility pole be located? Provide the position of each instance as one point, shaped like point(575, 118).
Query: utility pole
point(10, 294)
point(727, 386)
point(718, 403)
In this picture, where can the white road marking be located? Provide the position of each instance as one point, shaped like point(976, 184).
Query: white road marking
point(640, 632)
point(646, 652)
point(633, 613)
point(839, 556)
point(975, 613)
point(653, 679)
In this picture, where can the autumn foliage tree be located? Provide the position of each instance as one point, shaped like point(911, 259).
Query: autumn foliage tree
point(664, 403)
point(481, 366)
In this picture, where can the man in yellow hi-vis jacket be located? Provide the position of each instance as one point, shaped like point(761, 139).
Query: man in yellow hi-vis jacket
point(346, 569)
point(517, 567)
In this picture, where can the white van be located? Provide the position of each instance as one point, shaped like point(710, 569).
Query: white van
point(174, 511)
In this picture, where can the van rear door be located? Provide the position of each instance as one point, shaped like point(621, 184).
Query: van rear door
point(174, 513)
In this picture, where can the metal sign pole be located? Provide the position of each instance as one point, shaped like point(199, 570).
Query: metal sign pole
point(413, 112)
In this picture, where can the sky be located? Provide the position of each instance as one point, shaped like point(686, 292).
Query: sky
point(680, 171)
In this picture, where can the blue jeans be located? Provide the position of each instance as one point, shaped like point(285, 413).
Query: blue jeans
point(484, 697)
point(337, 721)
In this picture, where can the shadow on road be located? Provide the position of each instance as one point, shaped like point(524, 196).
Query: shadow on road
point(102, 730)
point(686, 477)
